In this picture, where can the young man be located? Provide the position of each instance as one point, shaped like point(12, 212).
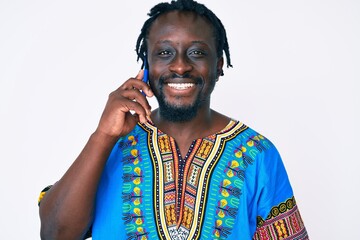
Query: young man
point(182, 171)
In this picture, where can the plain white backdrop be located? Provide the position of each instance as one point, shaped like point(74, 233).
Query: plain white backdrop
point(295, 80)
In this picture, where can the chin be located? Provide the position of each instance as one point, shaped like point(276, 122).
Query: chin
point(178, 113)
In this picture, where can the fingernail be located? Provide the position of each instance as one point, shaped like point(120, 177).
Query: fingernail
point(150, 93)
point(148, 118)
point(139, 73)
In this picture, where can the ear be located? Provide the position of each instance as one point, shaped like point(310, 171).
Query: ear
point(219, 67)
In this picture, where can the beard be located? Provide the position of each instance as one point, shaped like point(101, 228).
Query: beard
point(177, 113)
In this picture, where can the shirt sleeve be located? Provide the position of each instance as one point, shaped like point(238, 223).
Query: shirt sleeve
point(42, 194)
point(278, 216)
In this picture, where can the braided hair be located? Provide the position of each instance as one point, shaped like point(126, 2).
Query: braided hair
point(184, 5)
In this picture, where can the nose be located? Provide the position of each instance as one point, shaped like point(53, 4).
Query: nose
point(180, 65)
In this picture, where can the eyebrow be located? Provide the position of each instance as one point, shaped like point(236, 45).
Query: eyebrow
point(200, 42)
point(194, 42)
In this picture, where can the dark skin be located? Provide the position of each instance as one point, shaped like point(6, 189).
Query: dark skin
point(183, 43)
point(66, 211)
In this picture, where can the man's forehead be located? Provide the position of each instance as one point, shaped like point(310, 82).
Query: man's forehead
point(184, 19)
point(177, 16)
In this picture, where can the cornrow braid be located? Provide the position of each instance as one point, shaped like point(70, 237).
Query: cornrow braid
point(184, 5)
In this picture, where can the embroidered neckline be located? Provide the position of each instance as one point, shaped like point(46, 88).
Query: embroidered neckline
point(199, 164)
point(228, 127)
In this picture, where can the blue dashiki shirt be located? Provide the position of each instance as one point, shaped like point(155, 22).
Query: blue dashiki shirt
point(230, 185)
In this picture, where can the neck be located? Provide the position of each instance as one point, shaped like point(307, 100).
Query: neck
point(205, 123)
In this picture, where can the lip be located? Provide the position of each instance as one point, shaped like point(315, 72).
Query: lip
point(180, 85)
point(179, 80)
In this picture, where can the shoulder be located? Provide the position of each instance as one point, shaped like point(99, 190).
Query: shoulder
point(253, 148)
point(251, 138)
point(132, 137)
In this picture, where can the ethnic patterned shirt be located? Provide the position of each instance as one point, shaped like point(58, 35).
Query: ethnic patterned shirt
point(230, 185)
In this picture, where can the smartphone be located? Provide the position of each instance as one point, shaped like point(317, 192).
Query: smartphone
point(146, 72)
point(146, 75)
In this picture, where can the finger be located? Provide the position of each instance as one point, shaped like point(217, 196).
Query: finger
point(136, 116)
point(135, 95)
point(140, 75)
point(139, 111)
point(146, 92)
point(134, 83)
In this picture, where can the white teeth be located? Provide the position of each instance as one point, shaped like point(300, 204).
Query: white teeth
point(181, 86)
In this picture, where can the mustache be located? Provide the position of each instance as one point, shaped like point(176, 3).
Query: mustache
point(196, 80)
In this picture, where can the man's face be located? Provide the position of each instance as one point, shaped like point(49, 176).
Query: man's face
point(183, 64)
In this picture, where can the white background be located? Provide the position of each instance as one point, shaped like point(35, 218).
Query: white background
point(295, 79)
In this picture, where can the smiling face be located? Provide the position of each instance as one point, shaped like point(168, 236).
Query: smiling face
point(183, 64)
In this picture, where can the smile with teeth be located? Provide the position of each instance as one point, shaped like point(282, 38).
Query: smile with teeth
point(180, 86)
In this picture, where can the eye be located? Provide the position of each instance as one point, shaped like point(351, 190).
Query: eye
point(164, 53)
point(197, 53)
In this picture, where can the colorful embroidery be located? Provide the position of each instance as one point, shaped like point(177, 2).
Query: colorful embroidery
point(181, 177)
point(162, 195)
point(283, 222)
point(132, 195)
point(230, 187)
point(182, 183)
